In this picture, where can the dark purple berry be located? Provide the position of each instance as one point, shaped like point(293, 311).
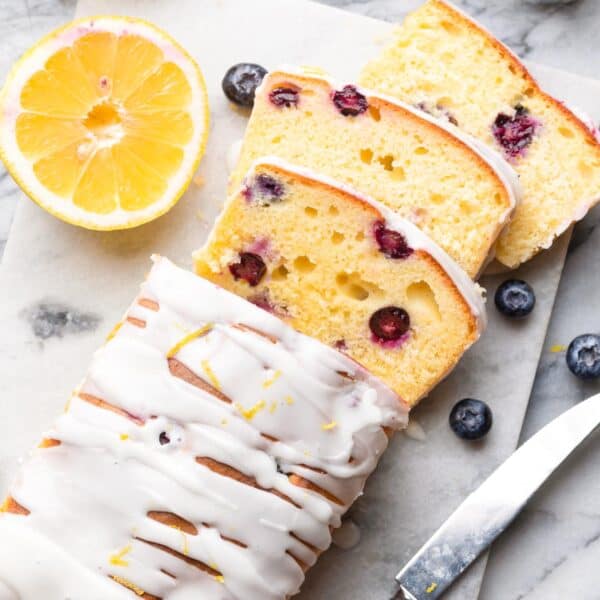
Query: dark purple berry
point(163, 438)
point(514, 298)
point(240, 83)
point(389, 323)
point(250, 268)
point(264, 189)
point(470, 419)
point(392, 243)
point(583, 356)
point(514, 133)
point(349, 101)
point(285, 96)
point(340, 345)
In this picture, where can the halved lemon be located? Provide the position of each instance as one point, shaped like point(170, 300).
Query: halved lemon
point(104, 122)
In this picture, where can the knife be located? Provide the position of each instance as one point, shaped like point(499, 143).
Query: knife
point(486, 513)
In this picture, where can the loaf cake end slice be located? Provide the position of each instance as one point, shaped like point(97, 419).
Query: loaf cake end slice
point(444, 62)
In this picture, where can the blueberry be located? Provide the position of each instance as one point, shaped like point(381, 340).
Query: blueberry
point(285, 96)
point(264, 189)
point(583, 356)
point(515, 132)
point(349, 101)
point(163, 438)
point(470, 419)
point(514, 298)
point(392, 243)
point(240, 83)
point(389, 323)
point(251, 268)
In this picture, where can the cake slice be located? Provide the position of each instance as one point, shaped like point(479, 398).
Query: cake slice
point(347, 270)
point(454, 188)
point(208, 453)
point(443, 62)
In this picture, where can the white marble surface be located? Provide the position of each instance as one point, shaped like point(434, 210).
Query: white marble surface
point(552, 549)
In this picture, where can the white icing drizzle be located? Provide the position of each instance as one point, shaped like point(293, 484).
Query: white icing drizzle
point(416, 238)
point(505, 173)
point(297, 408)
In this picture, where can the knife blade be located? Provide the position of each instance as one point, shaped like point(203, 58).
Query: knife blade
point(487, 511)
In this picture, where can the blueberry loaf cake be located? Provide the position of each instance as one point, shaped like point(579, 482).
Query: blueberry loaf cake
point(346, 270)
point(455, 189)
point(443, 62)
point(209, 453)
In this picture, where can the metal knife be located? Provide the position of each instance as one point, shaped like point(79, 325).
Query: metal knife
point(486, 513)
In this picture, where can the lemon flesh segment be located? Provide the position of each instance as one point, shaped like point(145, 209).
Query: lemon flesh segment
point(108, 130)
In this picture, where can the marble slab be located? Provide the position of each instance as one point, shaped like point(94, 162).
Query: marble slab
point(68, 287)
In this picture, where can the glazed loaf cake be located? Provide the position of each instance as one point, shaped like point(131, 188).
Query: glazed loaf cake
point(454, 188)
point(208, 454)
point(443, 62)
point(345, 269)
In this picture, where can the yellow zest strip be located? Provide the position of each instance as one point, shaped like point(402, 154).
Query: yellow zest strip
point(269, 382)
point(188, 338)
point(431, 588)
point(130, 586)
point(211, 374)
point(113, 331)
point(124, 437)
point(273, 407)
point(118, 559)
point(557, 348)
point(186, 546)
point(250, 413)
point(224, 421)
point(289, 400)
point(220, 578)
point(329, 426)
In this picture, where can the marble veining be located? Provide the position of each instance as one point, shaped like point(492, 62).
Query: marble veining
point(55, 319)
point(552, 550)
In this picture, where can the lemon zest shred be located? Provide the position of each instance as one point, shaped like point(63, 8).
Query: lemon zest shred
point(118, 558)
point(186, 546)
point(289, 400)
point(431, 588)
point(273, 407)
point(557, 348)
point(250, 413)
point(211, 374)
point(329, 426)
point(269, 382)
point(130, 586)
point(224, 421)
point(220, 578)
point(189, 338)
point(124, 436)
point(113, 331)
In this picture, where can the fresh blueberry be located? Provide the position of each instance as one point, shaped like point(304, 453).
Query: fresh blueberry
point(583, 356)
point(470, 419)
point(163, 438)
point(515, 132)
point(389, 323)
point(285, 96)
point(349, 101)
point(251, 268)
point(392, 243)
point(514, 298)
point(240, 83)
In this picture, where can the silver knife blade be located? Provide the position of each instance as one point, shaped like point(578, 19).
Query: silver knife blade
point(486, 512)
